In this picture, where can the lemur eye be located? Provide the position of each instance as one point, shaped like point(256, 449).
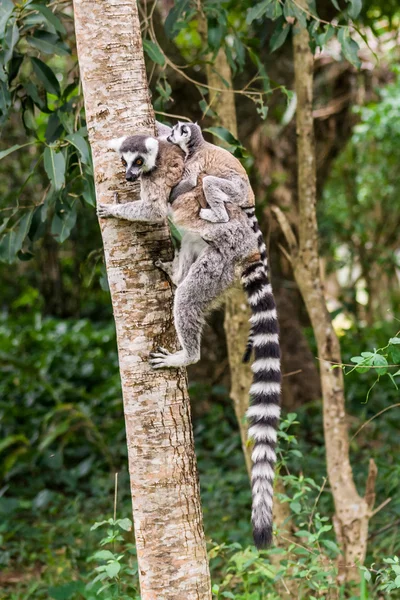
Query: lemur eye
point(139, 161)
point(124, 162)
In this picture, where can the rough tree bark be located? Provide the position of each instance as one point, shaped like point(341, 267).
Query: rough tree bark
point(165, 493)
point(352, 511)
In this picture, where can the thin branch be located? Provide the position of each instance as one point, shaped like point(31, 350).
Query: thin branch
point(286, 229)
point(374, 512)
point(372, 418)
point(370, 485)
point(316, 502)
point(383, 529)
point(164, 114)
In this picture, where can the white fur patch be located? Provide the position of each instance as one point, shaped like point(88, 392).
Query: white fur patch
point(262, 469)
point(263, 452)
point(260, 411)
point(265, 315)
point(116, 143)
point(255, 298)
point(262, 433)
point(266, 364)
point(151, 157)
point(129, 157)
point(261, 339)
point(262, 387)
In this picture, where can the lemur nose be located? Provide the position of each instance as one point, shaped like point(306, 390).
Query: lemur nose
point(131, 177)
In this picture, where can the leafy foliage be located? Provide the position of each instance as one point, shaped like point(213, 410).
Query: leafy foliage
point(53, 120)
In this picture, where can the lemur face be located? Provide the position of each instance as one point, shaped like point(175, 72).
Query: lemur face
point(180, 135)
point(138, 154)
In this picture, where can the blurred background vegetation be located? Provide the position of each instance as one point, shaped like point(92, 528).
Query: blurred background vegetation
point(62, 432)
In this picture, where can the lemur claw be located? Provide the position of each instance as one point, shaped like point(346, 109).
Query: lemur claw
point(116, 198)
point(163, 359)
point(103, 211)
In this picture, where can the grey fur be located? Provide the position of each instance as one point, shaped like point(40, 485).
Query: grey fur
point(204, 269)
point(231, 186)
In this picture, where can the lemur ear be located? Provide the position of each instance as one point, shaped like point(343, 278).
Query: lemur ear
point(151, 144)
point(116, 143)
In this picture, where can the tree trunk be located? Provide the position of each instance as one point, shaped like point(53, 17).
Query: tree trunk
point(164, 484)
point(352, 511)
point(237, 313)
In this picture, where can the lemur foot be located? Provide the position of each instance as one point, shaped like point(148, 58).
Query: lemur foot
point(209, 215)
point(163, 359)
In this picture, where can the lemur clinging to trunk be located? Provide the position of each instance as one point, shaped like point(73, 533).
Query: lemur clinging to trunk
point(203, 272)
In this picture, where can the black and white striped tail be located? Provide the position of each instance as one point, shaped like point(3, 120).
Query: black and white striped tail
point(251, 214)
point(264, 411)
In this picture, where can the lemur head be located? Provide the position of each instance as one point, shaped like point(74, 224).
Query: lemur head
point(187, 136)
point(138, 154)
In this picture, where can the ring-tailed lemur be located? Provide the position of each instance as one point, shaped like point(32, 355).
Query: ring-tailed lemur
point(225, 180)
point(201, 278)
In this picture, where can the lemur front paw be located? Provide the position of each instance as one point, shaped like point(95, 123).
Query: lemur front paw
point(104, 211)
point(163, 359)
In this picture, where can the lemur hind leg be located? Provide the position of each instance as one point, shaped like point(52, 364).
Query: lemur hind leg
point(218, 191)
point(206, 280)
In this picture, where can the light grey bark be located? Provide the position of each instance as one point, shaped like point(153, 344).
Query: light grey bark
point(164, 484)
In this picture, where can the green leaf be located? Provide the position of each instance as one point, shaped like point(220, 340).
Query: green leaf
point(68, 591)
point(336, 5)
point(354, 8)
point(46, 76)
point(300, 14)
point(331, 546)
point(125, 524)
point(113, 568)
point(296, 507)
point(257, 11)
point(274, 11)
point(22, 229)
point(153, 52)
point(395, 340)
point(279, 36)
point(63, 223)
point(10, 41)
point(33, 93)
point(6, 8)
point(5, 98)
point(48, 43)
point(223, 134)
point(5, 153)
point(207, 111)
point(103, 555)
point(171, 25)
point(7, 247)
point(80, 144)
point(10, 440)
point(380, 361)
point(349, 47)
point(54, 164)
point(49, 16)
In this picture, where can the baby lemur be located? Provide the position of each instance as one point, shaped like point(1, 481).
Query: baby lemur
point(202, 274)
